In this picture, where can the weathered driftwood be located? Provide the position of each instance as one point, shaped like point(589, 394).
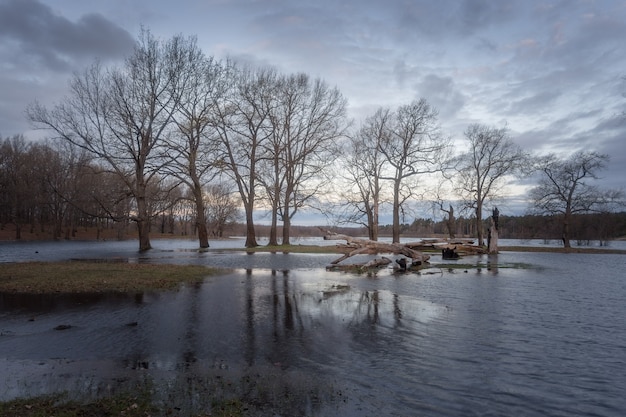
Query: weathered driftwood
point(492, 245)
point(355, 246)
point(373, 264)
point(460, 246)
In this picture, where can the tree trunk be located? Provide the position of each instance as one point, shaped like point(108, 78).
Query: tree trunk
point(565, 235)
point(203, 234)
point(370, 221)
point(396, 212)
point(479, 223)
point(143, 229)
point(274, 227)
point(374, 226)
point(250, 232)
point(493, 240)
point(143, 224)
point(286, 226)
point(276, 191)
point(451, 223)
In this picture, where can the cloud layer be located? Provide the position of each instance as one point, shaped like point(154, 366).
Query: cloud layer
point(39, 49)
point(552, 70)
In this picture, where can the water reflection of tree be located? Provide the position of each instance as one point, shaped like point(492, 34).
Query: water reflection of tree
point(286, 324)
point(250, 345)
point(368, 309)
point(191, 334)
point(288, 327)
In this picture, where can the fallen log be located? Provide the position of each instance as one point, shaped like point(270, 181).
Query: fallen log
point(461, 246)
point(358, 246)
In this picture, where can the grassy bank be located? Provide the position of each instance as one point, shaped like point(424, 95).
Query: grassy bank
point(129, 405)
point(555, 249)
point(81, 277)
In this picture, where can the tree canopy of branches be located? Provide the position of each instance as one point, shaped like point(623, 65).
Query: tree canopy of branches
point(364, 164)
point(120, 116)
point(491, 157)
point(411, 146)
point(306, 121)
point(192, 148)
point(244, 127)
point(565, 188)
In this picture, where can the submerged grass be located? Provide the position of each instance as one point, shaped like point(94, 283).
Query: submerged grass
point(294, 249)
point(59, 406)
point(83, 277)
point(128, 405)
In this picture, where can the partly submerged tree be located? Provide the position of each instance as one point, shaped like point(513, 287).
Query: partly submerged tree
point(492, 156)
point(566, 188)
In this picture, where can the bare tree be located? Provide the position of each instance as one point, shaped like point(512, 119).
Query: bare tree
point(307, 121)
point(565, 189)
point(222, 209)
point(491, 157)
point(121, 116)
point(243, 128)
point(413, 146)
point(191, 151)
point(364, 168)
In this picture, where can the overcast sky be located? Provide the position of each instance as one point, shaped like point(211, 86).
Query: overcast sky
point(553, 70)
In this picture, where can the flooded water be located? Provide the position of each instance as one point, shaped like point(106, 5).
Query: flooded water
point(524, 334)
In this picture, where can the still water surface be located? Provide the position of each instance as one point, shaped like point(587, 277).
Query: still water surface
point(524, 334)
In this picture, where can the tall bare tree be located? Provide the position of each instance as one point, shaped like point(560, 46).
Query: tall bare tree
point(364, 168)
point(414, 146)
point(121, 116)
point(307, 121)
point(243, 127)
point(565, 188)
point(481, 171)
point(191, 151)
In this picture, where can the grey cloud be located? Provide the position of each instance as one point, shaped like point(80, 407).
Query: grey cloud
point(582, 130)
point(534, 103)
point(38, 51)
point(400, 71)
point(442, 93)
point(439, 20)
point(56, 42)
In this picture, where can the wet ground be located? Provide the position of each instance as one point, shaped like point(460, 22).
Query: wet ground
point(525, 334)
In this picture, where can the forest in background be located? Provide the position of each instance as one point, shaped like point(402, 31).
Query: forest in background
point(586, 228)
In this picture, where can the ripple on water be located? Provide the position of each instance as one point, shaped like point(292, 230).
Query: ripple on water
point(545, 340)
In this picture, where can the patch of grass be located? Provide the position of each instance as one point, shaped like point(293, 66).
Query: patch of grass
point(554, 249)
point(59, 406)
point(83, 277)
point(485, 265)
point(294, 249)
point(228, 408)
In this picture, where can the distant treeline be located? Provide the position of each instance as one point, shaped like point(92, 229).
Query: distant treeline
point(585, 228)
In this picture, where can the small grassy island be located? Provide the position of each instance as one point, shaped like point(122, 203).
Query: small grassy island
point(90, 277)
